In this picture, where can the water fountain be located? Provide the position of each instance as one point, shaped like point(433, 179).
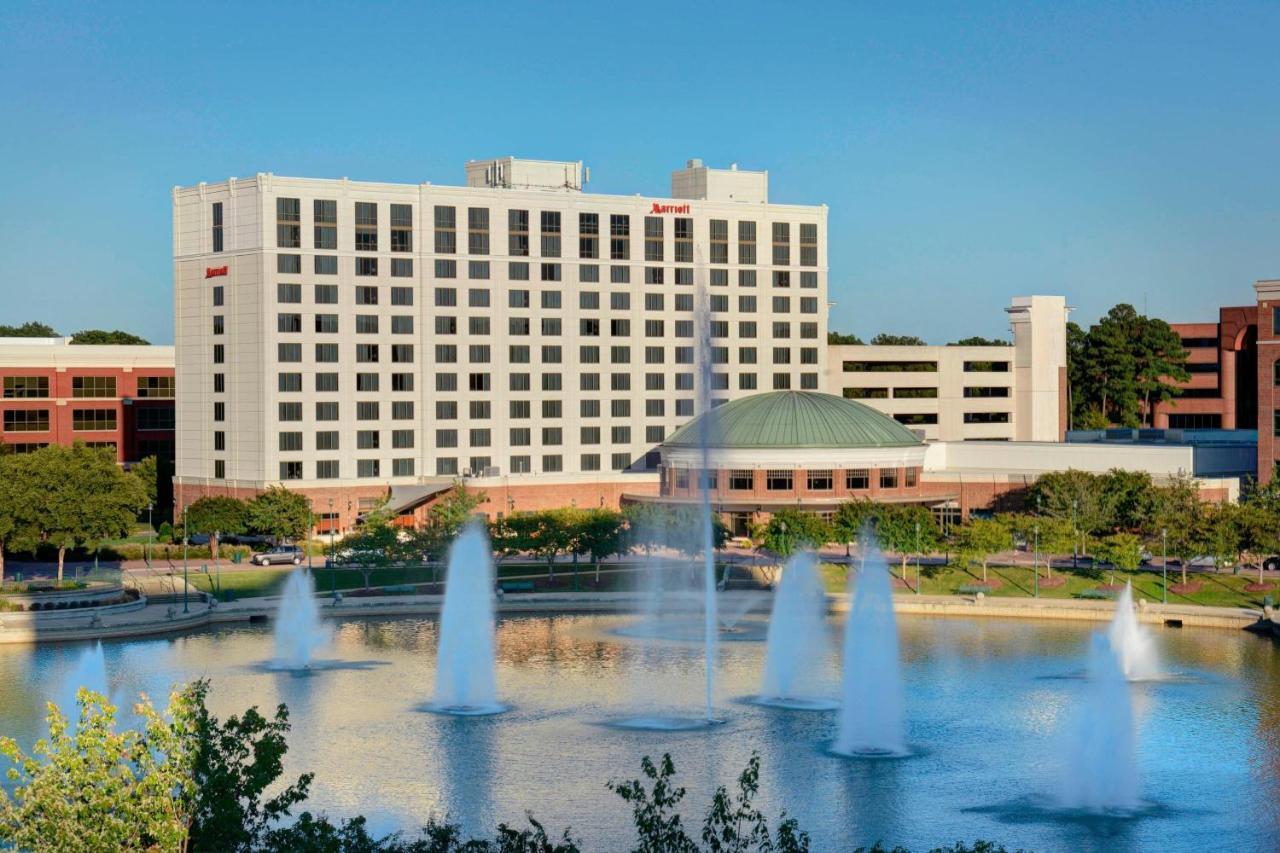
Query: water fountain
point(1132, 644)
point(90, 672)
point(871, 716)
point(1100, 773)
point(465, 680)
point(711, 625)
point(796, 646)
point(299, 630)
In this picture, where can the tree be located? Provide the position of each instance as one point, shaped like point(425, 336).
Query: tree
point(885, 339)
point(790, 530)
point(543, 533)
point(907, 529)
point(979, 341)
point(30, 329)
point(1258, 532)
point(838, 339)
point(645, 524)
point(444, 520)
point(602, 533)
point(12, 502)
point(851, 520)
point(216, 516)
point(74, 496)
point(375, 544)
point(979, 538)
point(1077, 496)
point(1161, 361)
point(235, 762)
point(1179, 519)
point(148, 473)
point(1122, 551)
point(1131, 499)
point(92, 787)
point(279, 513)
point(113, 338)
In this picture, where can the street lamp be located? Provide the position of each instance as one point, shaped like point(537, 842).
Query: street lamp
point(1164, 561)
point(185, 542)
point(333, 557)
point(151, 532)
point(917, 558)
point(1035, 558)
point(1075, 534)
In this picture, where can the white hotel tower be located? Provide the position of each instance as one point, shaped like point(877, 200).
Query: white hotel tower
point(356, 340)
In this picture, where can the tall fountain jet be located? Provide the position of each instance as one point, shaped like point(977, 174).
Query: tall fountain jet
point(1100, 772)
point(871, 718)
point(711, 622)
point(465, 680)
point(299, 630)
point(796, 643)
point(1132, 644)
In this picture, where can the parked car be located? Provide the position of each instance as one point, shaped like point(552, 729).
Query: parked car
point(278, 555)
point(246, 539)
point(1271, 564)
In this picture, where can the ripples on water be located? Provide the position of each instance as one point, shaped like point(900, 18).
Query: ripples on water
point(984, 698)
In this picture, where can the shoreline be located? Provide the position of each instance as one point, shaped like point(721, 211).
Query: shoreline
point(161, 619)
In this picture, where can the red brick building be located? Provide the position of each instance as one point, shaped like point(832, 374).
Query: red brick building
point(1267, 374)
point(1222, 392)
point(106, 396)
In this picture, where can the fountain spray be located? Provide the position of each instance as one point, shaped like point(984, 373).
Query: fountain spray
point(711, 622)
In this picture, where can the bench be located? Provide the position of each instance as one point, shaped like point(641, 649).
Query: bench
point(517, 586)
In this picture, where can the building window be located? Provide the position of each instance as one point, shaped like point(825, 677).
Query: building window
point(779, 481)
point(589, 237)
point(857, 479)
point(912, 477)
point(289, 264)
point(155, 418)
point(821, 481)
point(289, 382)
point(26, 420)
point(93, 386)
point(26, 387)
point(366, 233)
point(518, 233)
point(986, 367)
point(289, 412)
point(93, 420)
point(325, 265)
point(986, 417)
point(326, 294)
point(980, 391)
point(478, 231)
point(619, 237)
point(719, 241)
point(401, 228)
point(288, 323)
point(290, 441)
point(741, 480)
point(327, 469)
point(808, 244)
point(288, 227)
point(888, 478)
point(325, 219)
point(217, 226)
point(366, 266)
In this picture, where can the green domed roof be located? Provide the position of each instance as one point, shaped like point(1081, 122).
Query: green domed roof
point(795, 419)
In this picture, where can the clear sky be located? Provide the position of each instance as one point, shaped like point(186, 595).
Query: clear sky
point(969, 152)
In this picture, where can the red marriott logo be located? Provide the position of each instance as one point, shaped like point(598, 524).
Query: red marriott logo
point(214, 272)
point(670, 208)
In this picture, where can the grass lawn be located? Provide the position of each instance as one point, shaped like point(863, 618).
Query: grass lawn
point(1017, 581)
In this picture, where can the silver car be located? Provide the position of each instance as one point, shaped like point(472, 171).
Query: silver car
point(279, 555)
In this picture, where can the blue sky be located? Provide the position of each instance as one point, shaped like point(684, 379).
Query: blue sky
point(968, 152)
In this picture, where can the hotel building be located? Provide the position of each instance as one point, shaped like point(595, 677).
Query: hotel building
point(352, 340)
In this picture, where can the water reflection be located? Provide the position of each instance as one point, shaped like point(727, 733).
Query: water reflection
point(984, 701)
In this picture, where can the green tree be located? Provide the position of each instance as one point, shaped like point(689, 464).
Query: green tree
point(216, 516)
point(279, 513)
point(543, 533)
point(1160, 362)
point(1076, 496)
point(235, 762)
point(375, 544)
point(790, 530)
point(30, 329)
point(645, 525)
point(1179, 517)
point(1131, 499)
point(979, 538)
point(838, 339)
point(979, 341)
point(1121, 551)
point(112, 338)
point(12, 503)
point(1258, 532)
point(75, 496)
point(885, 339)
point(851, 519)
point(92, 787)
point(147, 471)
point(907, 529)
point(602, 533)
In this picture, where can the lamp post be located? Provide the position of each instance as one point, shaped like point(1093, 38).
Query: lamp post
point(1035, 559)
point(333, 557)
point(917, 558)
point(217, 565)
point(151, 532)
point(1075, 535)
point(186, 540)
point(311, 527)
point(1164, 561)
